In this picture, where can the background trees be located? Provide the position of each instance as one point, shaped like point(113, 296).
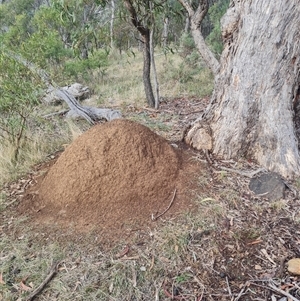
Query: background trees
point(78, 40)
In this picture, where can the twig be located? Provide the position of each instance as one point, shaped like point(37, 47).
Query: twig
point(151, 110)
point(171, 295)
point(56, 113)
point(273, 288)
point(281, 266)
point(228, 286)
point(290, 187)
point(157, 290)
point(282, 292)
point(241, 293)
point(189, 113)
point(265, 253)
point(53, 271)
point(133, 276)
point(155, 218)
point(207, 157)
point(242, 173)
point(124, 252)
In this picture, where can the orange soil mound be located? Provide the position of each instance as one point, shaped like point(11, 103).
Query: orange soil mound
point(114, 175)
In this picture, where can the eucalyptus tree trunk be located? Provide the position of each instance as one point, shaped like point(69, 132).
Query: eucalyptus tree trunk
point(145, 34)
point(255, 108)
point(147, 68)
point(154, 72)
point(196, 17)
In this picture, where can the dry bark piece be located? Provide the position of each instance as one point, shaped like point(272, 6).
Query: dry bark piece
point(294, 266)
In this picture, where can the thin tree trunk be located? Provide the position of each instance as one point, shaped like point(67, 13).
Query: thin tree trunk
point(187, 24)
point(196, 17)
point(112, 24)
point(156, 85)
point(84, 49)
point(147, 70)
point(145, 33)
point(253, 113)
point(165, 32)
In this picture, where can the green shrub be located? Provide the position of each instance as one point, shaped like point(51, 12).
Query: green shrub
point(187, 44)
point(80, 68)
point(214, 39)
point(19, 94)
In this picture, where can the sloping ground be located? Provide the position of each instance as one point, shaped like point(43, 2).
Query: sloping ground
point(234, 247)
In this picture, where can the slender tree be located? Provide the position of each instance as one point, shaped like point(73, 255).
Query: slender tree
point(196, 17)
point(144, 31)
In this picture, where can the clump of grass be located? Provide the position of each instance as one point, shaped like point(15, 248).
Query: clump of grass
point(41, 139)
point(75, 130)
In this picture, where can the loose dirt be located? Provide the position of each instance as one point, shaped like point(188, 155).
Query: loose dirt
point(114, 178)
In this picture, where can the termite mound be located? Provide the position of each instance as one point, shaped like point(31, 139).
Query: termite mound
point(117, 175)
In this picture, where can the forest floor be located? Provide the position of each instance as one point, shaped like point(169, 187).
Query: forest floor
point(232, 245)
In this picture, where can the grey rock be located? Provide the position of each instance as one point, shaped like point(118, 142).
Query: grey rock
point(268, 185)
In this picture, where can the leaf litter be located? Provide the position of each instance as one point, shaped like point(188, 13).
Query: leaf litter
point(209, 253)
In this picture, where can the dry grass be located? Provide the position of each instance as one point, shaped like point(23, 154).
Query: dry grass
point(41, 139)
point(122, 83)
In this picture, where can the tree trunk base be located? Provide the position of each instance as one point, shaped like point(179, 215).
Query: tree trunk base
point(199, 136)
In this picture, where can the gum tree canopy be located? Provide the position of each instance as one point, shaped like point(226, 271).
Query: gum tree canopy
point(255, 108)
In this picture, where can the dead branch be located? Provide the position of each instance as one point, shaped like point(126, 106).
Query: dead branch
point(92, 115)
point(61, 112)
point(244, 173)
point(272, 287)
point(155, 218)
point(282, 292)
point(52, 272)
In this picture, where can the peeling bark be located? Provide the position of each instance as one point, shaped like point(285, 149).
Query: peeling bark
point(253, 110)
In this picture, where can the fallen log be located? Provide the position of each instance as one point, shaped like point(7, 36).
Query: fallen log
point(90, 114)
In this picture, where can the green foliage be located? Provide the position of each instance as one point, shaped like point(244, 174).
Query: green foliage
point(77, 68)
point(48, 48)
point(18, 95)
point(187, 44)
point(215, 13)
point(80, 27)
point(45, 39)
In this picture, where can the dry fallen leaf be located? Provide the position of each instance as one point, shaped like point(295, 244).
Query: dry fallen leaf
point(257, 267)
point(24, 287)
point(294, 266)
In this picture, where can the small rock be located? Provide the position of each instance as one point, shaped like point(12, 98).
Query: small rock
point(268, 185)
point(294, 266)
